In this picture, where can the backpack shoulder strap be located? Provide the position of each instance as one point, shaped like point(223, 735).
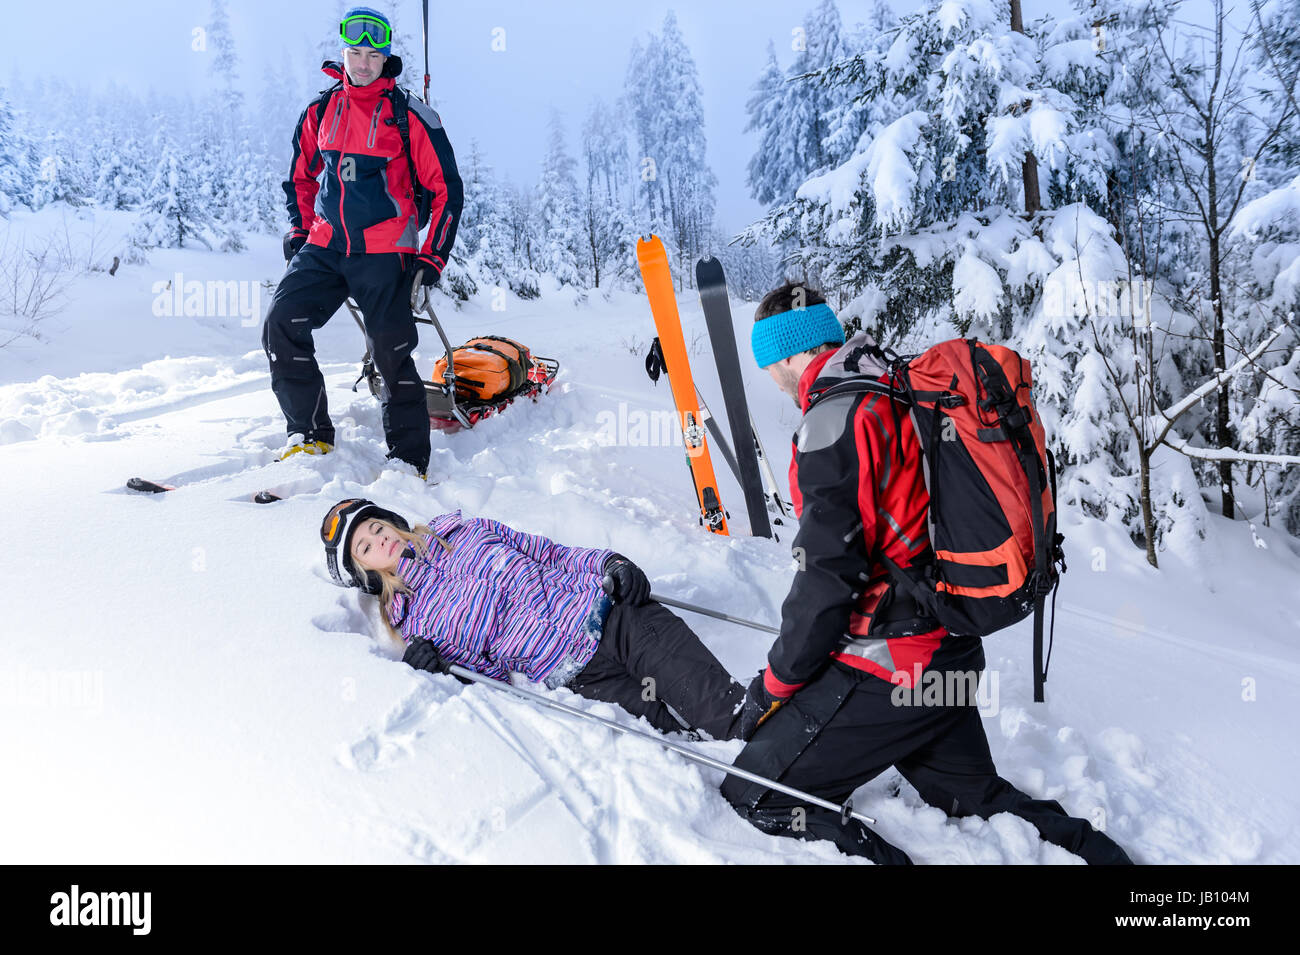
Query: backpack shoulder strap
point(398, 97)
point(857, 384)
point(323, 103)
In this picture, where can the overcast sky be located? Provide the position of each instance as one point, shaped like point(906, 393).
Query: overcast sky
point(557, 54)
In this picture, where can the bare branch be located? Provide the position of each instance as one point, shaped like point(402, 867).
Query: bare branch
point(1176, 411)
point(1229, 454)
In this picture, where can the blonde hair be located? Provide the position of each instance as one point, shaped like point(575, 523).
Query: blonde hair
point(391, 584)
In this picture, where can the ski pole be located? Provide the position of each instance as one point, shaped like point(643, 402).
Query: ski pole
point(682, 605)
point(846, 810)
point(607, 585)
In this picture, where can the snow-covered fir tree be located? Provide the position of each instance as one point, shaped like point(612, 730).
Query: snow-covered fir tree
point(1269, 228)
point(16, 171)
point(58, 176)
point(175, 209)
point(557, 210)
point(116, 187)
point(676, 186)
point(609, 233)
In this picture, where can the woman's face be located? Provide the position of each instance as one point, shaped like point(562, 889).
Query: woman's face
point(376, 546)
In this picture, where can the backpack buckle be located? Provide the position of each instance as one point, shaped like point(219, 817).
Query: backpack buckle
point(1016, 418)
point(1040, 584)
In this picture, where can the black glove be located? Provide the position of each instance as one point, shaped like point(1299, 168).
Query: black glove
point(424, 276)
point(294, 240)
point(631, 585)
point(423, 655)
point(759, 705)
point(427, 272)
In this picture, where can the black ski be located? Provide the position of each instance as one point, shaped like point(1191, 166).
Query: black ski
point(712, 284)
point(148, 487)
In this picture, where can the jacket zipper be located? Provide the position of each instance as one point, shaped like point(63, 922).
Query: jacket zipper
point(338, 114)
point(447, 226)
point(374, 124)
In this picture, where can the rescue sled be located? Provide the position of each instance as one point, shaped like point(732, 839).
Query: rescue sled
point(490, 374)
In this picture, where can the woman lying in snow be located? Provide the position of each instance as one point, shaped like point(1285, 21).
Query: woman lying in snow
point(474, 592)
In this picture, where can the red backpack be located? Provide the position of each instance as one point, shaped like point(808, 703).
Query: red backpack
point(992, 484)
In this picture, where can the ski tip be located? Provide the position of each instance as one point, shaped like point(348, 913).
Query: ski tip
point(650, 246)
point(266, 497)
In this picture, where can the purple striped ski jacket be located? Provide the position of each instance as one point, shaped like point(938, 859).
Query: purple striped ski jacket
point(502, 600)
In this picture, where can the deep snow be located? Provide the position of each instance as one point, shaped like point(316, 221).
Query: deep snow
point(181, 682)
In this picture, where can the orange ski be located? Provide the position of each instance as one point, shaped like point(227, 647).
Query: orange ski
point(655, 274)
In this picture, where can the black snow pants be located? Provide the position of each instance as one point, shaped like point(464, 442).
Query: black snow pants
point(312, 289)
point(843, 729)
point(647, 657)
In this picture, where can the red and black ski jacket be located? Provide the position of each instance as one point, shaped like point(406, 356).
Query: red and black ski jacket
point(858, 488)
point(349, 186)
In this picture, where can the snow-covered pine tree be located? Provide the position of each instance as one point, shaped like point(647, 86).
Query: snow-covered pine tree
point(520, 225)
point(16, 173)
point(676, 195)
point(174, 208)
point(752, 270)
point(221, 117)
point(477, 176)
point(116, 187)
point(793, 111)
point(330, 45)
point(57, 178)
point(772, 173)
point(558, 214)
point(609, 233)
point(485, 232)
point(1269, 227)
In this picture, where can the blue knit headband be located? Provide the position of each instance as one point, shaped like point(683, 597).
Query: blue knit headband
point(788, 333)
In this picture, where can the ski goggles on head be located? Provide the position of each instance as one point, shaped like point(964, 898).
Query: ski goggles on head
point(336, 521)
point(363, 28)
point(334, 530)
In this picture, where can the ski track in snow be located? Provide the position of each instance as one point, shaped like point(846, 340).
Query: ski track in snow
point(406, 766)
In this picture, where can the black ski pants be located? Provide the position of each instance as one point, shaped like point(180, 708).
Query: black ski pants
point(312, 289)
point(648, 657)
point(843, 729)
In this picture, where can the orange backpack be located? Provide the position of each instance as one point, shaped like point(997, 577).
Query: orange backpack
point(992, 484)
point(488, 367)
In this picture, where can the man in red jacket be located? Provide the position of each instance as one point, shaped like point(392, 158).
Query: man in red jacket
point(355, 231)
point(839, 701)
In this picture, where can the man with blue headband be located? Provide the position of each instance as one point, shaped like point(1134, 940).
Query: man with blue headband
point(371, 165)
point(824, 716)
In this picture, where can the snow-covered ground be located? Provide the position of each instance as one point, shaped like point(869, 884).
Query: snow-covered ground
point(181, 682)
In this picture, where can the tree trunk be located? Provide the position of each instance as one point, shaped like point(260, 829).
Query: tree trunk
point(1029, 168)
point(1148, 518)
point(1222, 429)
